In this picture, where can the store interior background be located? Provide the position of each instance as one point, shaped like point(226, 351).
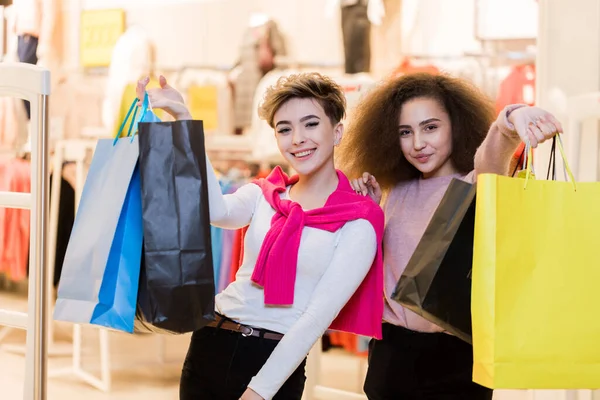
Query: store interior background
point(478, 39)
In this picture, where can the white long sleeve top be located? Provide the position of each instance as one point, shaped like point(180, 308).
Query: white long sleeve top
point(331, 266)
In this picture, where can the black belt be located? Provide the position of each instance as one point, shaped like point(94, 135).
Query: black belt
point(222, 322)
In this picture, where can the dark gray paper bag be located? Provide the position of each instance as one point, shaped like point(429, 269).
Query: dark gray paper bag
point(177, 290)
point(437, 281)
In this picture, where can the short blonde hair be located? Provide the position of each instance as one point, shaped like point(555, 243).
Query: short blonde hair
point(304, 86)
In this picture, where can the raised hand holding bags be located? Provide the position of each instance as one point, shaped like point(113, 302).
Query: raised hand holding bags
point(535, 283)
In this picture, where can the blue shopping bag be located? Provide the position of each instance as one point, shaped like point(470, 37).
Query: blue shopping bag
point(100, 277)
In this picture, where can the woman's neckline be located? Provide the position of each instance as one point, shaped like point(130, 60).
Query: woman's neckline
point(439, 178)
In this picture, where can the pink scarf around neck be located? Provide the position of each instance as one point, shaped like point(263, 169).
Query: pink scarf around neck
point(276, 265)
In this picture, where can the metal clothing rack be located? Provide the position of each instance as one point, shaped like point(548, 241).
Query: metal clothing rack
point(32, 83)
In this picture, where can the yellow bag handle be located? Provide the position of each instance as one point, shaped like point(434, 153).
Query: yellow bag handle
point(529, 169)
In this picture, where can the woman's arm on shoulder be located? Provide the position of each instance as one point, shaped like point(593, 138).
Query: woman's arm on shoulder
point(230, 211)
point(351, 262)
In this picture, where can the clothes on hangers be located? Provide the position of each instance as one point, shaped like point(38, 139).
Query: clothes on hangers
point(262, 42)
point(224, 243)
point(356, 32)
point(517, 88)
point(34, 24)
point(66, 219)
point(9, 128)
point(15, 176)
point(408, 67)
point(131, 59)
point(37, 19)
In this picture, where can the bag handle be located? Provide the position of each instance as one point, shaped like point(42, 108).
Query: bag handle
point(133, 108)
point(557, 140)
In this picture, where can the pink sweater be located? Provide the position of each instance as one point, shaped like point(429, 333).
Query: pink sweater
point(410, 205)
point(276, 264)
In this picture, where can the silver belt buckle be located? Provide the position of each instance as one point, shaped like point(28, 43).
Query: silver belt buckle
point(248, 334)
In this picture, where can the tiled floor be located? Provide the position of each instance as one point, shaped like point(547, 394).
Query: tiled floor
point(137, 371)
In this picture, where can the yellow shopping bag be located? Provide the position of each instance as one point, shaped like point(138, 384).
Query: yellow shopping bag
point(536, 283)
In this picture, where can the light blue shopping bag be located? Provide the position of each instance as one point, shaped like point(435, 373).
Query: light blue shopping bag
point(100, 277)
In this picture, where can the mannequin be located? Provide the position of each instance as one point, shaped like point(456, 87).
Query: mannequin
point(261, 44)
point(35, 21)
point(356, 18)
point(132, 57)
point(3, 22)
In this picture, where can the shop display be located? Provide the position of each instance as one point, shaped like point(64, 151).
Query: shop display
point(224, 91)
point(203, 102)
point(34, 25)
point(491, 17)
point(261, 43)
point(356, 31)
point(66, 219)
point(15, 176)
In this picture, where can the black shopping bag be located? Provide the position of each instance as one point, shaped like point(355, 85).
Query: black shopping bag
point(437, 281)
point(177, 290)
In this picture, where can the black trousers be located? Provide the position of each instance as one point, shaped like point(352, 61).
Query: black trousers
point(27, 51)
point(220, 364)
point(356, 31)
point(409, 365)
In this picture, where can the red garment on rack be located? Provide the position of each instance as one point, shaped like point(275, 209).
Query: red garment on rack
point(517, 88)
point(347, 341)
point(238, 252)
point(407, 67)
point(15, 176)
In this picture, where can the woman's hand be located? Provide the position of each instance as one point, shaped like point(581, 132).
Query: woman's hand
point(534, 124)
point(367, 185)
point(250, 394)
point(164, 98)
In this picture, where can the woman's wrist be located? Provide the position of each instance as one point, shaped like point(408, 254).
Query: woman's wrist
point(183, 116)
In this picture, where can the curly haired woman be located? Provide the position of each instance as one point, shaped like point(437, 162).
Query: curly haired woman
point(413, 135)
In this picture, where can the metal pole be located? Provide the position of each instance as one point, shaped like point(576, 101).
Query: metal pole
point(40, 350)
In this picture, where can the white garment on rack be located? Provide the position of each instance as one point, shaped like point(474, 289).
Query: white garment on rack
point(131, 59)
point(438, 27)
point(37, 18)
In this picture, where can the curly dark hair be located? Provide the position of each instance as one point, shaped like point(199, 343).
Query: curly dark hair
point(372, 142)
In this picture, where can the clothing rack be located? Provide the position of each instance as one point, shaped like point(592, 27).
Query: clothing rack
point(77, 151)
point(32, 83)
point(65, 150)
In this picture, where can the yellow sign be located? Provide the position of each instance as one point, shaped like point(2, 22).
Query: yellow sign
point(100, 30)
point(203, 102)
